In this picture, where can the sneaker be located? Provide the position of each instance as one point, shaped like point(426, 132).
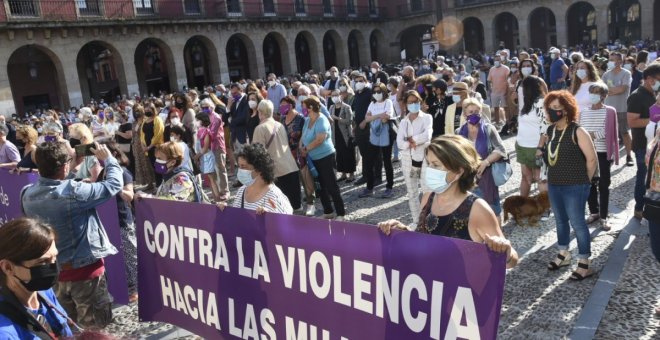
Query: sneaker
point(545, 216)
point(350, 179)
point(365, 193)
point(298, 211)
point(604, 225)
point(395, 160)
point(310, 210)
point(360, 181)
point(629, 161)
point(388, 193)
point(339, 218)
point(329, 216)
point(639, 214)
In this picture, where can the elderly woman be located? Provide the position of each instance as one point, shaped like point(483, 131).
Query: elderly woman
point(342, 116)
point(413, 137)
point(28, 135)
point(572, 163)
point(490, 148)
point(600, 122)
point(273, 136)
point(28, 271)
point(256, 171)
point(317, 145)
point(450, 210)
point(86, 167)
point(179, 183)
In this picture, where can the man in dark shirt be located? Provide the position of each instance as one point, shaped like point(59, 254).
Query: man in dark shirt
point(361, 102)
point(376, 74)
point(639, 103)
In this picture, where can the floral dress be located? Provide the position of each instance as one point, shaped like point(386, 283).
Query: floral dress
point(179, 187)
point(144, 172)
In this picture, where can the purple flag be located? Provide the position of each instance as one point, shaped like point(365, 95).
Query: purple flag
point(234, 274)
point(10, 208)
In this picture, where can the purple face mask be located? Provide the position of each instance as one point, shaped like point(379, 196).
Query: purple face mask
point(420, 89)
point(49, 139)
point(101, 115)
point(236, 97)
point(284, 108)
point(160, 167)
point(206, 110)
point(474, 119)
point(305, 111)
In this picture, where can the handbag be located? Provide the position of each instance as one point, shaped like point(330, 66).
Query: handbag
point(501, 171)
point(651, 210)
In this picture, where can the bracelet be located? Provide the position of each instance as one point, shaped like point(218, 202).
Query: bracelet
point(540, 148)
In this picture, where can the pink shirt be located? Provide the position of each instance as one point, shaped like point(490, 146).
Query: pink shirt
point(498, 77)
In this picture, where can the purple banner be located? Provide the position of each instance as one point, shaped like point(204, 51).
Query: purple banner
point(10, 208)
point(234, 274)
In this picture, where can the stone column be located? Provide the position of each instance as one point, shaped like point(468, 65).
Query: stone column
point(646, 11)
point(561, 26)
point(258, 55)
point(7, 107)
point(601, 22)
point(221, 46)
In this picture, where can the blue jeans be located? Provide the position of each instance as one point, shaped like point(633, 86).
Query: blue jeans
point(568, 203)
point(654, 233)
point(640, 179)
point(496, 206)
point(557, 86)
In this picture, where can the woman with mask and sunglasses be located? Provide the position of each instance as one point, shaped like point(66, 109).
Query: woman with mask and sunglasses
point(572, 163)
point(28, 271)
point(450, 210)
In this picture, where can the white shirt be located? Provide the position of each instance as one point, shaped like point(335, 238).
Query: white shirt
point(420, 129)
point(594, 122)
point(582, 96)
point(377, 108)
point(531, 126)
point(273, 201)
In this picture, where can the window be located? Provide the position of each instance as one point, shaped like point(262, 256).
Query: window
point(300, 6)
point(23, 8)
point(143, 6)
point(373, 10)
point(327, 6)
point(233, 7)
point(416, 5)
point(88, 7)
point(269, 7)
point(192, 7)
point(350, 7)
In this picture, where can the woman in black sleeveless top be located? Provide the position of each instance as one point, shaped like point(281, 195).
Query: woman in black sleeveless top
point(450, 210)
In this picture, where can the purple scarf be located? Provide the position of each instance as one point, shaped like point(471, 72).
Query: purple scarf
point(482, 139)
point(486, 183)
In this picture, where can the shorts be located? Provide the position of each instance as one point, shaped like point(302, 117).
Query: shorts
point(526, 156)
point(622, 119)
point(497, 100)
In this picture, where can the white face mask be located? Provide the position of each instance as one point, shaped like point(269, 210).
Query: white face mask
point(594, 98)
point(628, 67)
point(252, 104)
point(611, 65)
point(271, 83)
point(374, 70)
point(497, 63)
point(581, 73)
point(174, 139)
point(336, 99)
point(514, 69)
point(343, 88)
point(359, 86)
point(526, 71)
point(378, 96)
point(175, 121)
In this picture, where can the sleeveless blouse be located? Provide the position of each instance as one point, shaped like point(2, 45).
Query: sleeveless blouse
point(571, 166)
point(454, 225)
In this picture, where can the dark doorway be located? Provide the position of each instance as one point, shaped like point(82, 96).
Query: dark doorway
point(237, 59)
point(506, 30)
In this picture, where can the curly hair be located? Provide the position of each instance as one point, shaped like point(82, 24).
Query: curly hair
point(257, 156)
point(28, 133)
point(567, 100)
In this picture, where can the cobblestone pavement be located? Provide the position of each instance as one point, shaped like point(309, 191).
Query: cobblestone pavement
point(538, 304)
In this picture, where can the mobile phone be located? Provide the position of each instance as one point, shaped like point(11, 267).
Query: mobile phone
point(84, 150)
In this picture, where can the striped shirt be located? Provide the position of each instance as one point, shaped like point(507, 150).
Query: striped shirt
point(594, 122)
point(273, 201)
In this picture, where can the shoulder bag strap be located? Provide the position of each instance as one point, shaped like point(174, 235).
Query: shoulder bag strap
point(13, 310)
point(272, 136)
point(649, 170)
point(243, 199)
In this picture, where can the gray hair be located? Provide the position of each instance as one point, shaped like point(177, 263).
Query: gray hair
point(304, 88)
point(52, 127)
point(265, 107)
point(600, 88)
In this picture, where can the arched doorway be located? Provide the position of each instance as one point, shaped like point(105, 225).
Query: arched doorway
point(357, 49)
point(36, 79)
point(239, 48)
point(656, 23)
point(473, 35)
point(274, 43)
point(542, 28)
point(198, 63)
point(581, 19)
point(411, 39)
point(303, 54)
point(506, 31)
point(377, 46)
point(333, 50)
point(624, 20)
point(155, 67)
point(100, 72)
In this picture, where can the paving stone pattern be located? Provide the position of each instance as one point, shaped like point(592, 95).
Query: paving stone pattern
point(538, 304)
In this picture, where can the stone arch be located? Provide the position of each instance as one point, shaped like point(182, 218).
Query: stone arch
point(306, 54)
point(473, 35)
point(201, 62)
point(154, 66)
point(581, 24)
point(624, 20)
point(239, 49)
point(100, 71)
point(411, 38)
point(334, 50)
point(505, 30)
point(36, 79)
point(357, 49)
point(542, 28)
point(276, 56)
point(378, 46)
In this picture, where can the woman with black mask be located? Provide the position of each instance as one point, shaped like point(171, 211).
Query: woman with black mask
point(436, 108)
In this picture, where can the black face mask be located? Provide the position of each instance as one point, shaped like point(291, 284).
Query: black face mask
point(148, 113)
point(406, 79)
point(555, 115)
point(445, 77)
point(294, 92)
point(179, 105)
point(42, 277)
point(74, 142)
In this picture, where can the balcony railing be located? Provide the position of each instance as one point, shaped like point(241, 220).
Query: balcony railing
point(72, 10)
point(416, 7)
point(470, 3)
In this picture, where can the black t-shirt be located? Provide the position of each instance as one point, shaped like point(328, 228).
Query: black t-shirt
point(148, 130)
point(124, 128)
point(639, 102)
point(124, 209)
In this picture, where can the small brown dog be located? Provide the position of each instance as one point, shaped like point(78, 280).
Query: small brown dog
point(531, 208)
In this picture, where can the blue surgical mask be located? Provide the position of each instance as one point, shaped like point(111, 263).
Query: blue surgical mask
point(436, 180)
point(594, 98)
point(414, 107)
point(245, 176)
point(456, 98)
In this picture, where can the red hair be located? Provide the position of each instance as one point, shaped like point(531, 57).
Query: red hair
point(566, 100)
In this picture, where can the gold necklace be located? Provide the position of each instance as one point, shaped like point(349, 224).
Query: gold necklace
point(553, 156)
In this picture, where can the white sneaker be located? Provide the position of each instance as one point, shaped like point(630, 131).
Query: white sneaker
point(340, 218)
point(310, 210)
point(329, 216)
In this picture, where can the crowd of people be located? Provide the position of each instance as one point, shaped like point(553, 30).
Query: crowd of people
point(275, 145)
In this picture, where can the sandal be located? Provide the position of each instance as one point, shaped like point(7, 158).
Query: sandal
point(604, 225)
point(564, 260)
point(579, 277)
point(593, 218)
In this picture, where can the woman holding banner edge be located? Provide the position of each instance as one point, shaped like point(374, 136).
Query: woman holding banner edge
point(450, 210)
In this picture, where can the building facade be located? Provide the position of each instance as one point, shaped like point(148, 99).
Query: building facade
point(62, 53)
